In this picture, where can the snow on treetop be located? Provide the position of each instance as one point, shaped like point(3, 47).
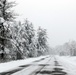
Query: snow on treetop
point(1, 20)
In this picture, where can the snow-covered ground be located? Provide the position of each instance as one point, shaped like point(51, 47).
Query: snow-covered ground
point(68, 63)
point(5, 67)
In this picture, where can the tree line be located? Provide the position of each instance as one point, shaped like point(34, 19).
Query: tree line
point(19, 39)
point(68, 48)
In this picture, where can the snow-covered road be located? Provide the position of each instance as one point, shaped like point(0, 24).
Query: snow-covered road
point(46, 65)
point(34, 67)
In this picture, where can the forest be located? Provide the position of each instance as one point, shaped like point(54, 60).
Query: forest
point(19, 40)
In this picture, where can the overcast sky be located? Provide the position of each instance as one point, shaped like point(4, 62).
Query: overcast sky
point(57, 16)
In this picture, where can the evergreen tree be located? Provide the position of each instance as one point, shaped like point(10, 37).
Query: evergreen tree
point(41, 41)
point(29, 37)
point(17, 39)
point(5, 15)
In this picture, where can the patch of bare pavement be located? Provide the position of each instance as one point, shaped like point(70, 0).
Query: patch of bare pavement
point(47, 66)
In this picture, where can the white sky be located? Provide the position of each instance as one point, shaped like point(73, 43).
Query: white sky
point(57, 16)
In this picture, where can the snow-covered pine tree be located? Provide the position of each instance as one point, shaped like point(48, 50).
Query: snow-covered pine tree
point(5, 15)
point(23, 37)
point(17, 40)
point(41, 41)
point(29, 36)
